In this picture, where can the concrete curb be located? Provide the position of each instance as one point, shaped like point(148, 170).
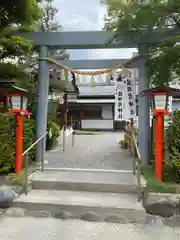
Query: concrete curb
point(86, 216)
point(85, 170)
point(173, 221)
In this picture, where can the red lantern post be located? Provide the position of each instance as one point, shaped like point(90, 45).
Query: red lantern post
point(15, 99)
point(17, 104)
point(159, 102)
point(19, 142)
point(159, 119)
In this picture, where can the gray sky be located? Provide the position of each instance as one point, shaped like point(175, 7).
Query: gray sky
point(86, 15)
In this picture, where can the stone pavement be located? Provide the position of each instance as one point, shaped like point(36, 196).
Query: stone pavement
point(55, 229)
point(91, 152)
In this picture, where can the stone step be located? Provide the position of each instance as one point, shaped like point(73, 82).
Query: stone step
point(90, 206)
point(85, 180)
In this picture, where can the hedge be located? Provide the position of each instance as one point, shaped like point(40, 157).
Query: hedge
point(7, 140)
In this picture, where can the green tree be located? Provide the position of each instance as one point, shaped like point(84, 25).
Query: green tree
point(19, 12)
point(15, 16)
point(14, 50)
point(49, 23)
point(144, 15)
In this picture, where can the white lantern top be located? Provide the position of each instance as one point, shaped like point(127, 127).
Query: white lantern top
point(17, 102)
point(160, 101)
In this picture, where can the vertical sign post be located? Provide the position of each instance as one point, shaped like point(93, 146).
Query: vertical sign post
point(129, 97)
point(119, 103)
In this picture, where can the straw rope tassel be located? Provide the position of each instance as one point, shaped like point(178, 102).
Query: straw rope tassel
point(108, 78)
point(92, 82)
point(77, 78)
point(121, 65)
point(62, 75)
point(66, 75)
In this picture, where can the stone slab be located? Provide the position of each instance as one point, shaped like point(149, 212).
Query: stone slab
point(162, 204)
point(85, 180)
point(79, 203)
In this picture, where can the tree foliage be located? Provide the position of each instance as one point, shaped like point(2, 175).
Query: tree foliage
point(15, 16)
point(49, 23)
point(15, 51)
point(144, 15)
point(8, 139)
point(19, 12)
point(173, 145)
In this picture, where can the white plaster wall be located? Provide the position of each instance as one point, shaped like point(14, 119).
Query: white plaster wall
point(97, 124)
point(175, 105)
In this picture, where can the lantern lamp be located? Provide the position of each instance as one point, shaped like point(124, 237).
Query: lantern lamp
point(17, 102)
point(159, 97)
point(159, 101)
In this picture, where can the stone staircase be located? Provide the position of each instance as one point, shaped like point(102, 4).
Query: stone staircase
point(83, 194)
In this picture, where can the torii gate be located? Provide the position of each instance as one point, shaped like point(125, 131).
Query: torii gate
point(95, 40)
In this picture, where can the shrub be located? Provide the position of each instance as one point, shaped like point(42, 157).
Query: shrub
point(173, 145)
point(29, 136)
point(8, 140)
point(53, 130)
point(124, 144)
point(16, 178)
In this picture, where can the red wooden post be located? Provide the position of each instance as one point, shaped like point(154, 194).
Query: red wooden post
point(159, 147)
point(159, 96)
point(19, 142)
point(159, 114)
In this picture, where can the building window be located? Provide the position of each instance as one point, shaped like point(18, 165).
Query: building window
point(74, 114)
point(176, 97)
point(94, 113)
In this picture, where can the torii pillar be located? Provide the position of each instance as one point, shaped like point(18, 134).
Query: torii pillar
point(143, 106)
point(42, 102)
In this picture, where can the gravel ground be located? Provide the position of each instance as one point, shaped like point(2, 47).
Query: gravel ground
point(55, 229)
point(92, 152)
